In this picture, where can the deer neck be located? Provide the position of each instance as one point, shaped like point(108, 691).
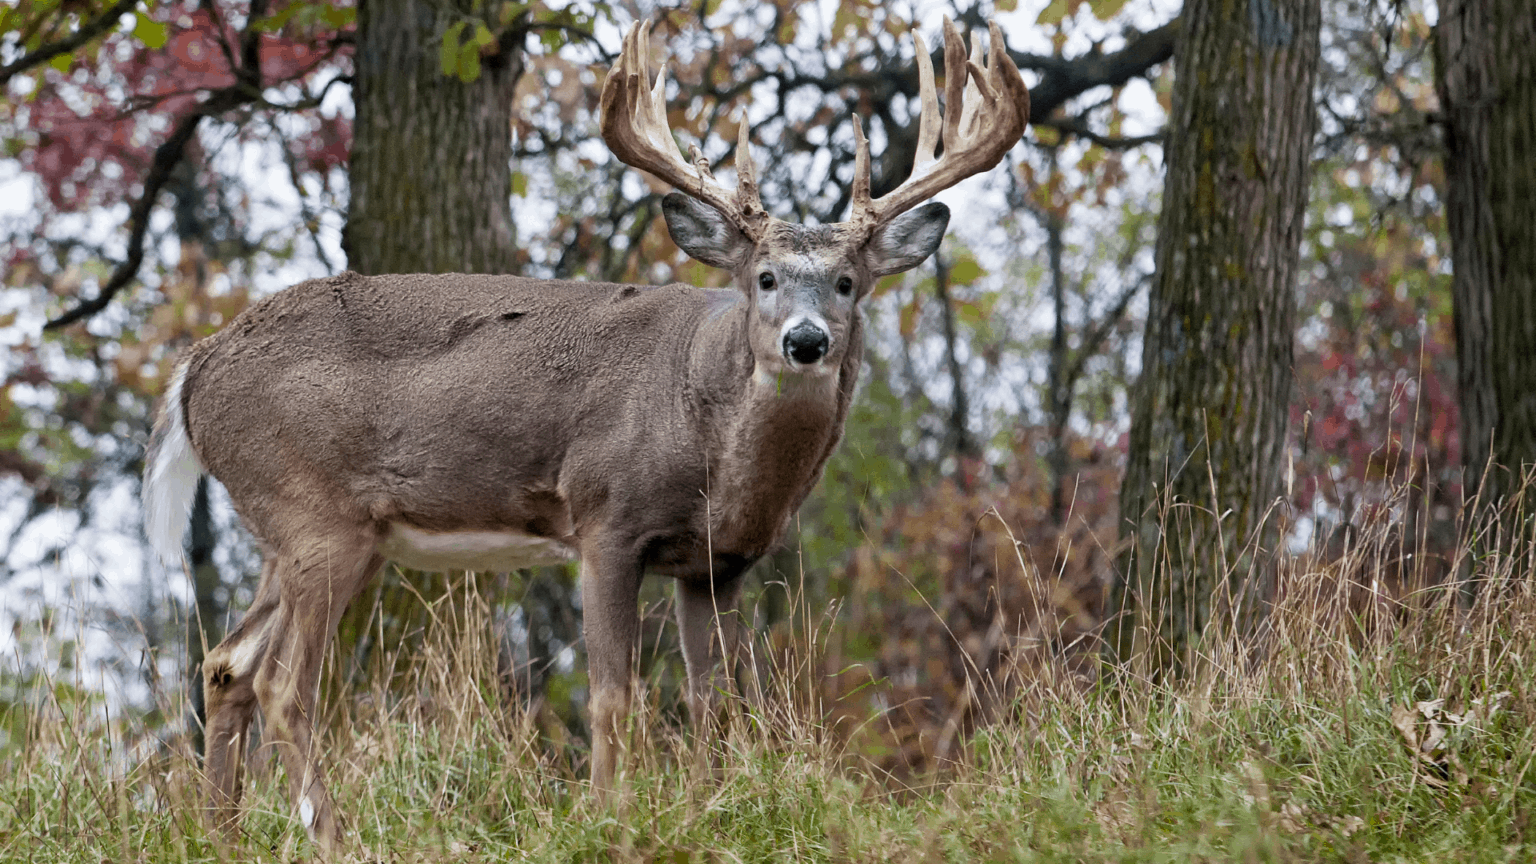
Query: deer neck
point(769, 433)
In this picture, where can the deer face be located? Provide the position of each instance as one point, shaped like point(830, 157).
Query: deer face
point(802, 283)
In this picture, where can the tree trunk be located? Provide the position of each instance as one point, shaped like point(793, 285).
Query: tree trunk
point(1058, 388)
point(1209, 410)
point(1486, 71)
point(431, 192)
point(960, 440)
point(430, 170)
point(205, 618)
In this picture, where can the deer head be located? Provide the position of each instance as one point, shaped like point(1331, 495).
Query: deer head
point(802, 282)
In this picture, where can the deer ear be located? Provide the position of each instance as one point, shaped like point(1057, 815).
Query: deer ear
point(703, 232)
point(908, 240)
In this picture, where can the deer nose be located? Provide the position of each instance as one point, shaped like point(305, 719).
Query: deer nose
point(806, 343)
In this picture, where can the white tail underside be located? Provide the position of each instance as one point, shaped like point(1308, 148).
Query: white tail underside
point(171, 472)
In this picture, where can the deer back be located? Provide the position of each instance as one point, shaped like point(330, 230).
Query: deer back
point(487, 403)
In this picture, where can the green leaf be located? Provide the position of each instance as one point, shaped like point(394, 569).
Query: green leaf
point(274, 23)
point(1105, 9)
point(964, 272)
point(519, 183)
point(1053, 14)
point(62, 62)
point(483, 35)
point(449, 55)
point(338, 16)
point(469, 64)
point(149, 31)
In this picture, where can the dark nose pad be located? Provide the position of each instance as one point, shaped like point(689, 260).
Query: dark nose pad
point(806, 343)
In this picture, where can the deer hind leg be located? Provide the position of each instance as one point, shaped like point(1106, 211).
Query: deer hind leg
point(229, 676)
point(315, 587)
point(708, 626)
point(610, 622)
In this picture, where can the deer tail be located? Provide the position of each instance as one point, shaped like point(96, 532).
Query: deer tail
point(171, 472)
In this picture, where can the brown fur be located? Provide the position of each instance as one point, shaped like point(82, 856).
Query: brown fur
point(648, 428)
point(671, 430)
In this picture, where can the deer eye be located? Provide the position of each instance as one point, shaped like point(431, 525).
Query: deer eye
point(845, 286)
point(766, 282)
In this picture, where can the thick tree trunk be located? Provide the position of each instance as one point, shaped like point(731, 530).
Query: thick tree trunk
point(1209, 411)
point(430, 171)
point(1486, 69)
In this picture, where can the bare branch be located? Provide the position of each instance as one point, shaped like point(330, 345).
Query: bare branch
point(88, 31)
point(167, 155)
point(1078, 127)
point(1095, 337)
point(247, 89)
point(1065, 78)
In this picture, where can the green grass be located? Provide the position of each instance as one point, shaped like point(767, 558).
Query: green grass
point(1398, 729)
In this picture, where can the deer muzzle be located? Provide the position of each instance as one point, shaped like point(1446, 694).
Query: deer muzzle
point(806, 341)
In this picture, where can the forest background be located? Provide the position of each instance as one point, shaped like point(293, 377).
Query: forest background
point(166, 164)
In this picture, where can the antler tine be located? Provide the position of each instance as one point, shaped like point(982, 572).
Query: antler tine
point(861, 200)
point(978, 94)
point(635, 128)
point(985, 112)
point(928, 119)
point(747, 199)
point(954, 83)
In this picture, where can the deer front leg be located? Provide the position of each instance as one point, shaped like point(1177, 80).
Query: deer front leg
point(610, 622)
point(707, 622)
point(229, 676)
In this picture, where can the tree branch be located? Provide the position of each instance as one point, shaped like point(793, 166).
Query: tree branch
point(167, 155)
point(1095, 337)
point(1078, 128)
point(88, 31)
point(246, 89)
point(1065, 78)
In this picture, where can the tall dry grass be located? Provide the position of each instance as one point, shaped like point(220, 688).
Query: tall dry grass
point(1383, 710)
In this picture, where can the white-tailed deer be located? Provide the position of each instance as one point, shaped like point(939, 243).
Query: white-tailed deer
point(497, 422)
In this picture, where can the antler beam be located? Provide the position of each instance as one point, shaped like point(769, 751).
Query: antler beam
point(635, 128)
point(986, 110)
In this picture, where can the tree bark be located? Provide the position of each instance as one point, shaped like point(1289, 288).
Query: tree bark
point(1209, 410)
point(430, 171)
point(1486, 74)
point(431, 192)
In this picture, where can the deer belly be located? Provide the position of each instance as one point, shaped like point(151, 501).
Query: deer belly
point(497, 551)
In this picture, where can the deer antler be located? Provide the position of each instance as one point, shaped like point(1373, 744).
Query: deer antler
point(634, 126)
point(985, 113)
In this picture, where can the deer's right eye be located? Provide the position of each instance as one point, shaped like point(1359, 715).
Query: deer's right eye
point(766, 282)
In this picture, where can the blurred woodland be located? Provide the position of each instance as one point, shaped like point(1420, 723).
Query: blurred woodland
point(1212, 287)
